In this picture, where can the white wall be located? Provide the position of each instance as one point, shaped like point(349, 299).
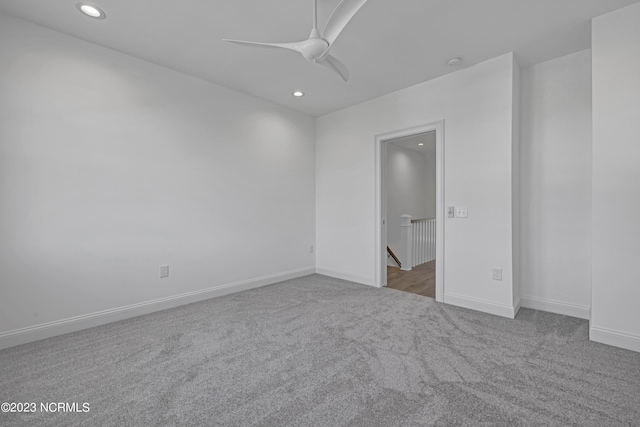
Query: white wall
point(555, 187)
point(430, 186)
point(112, 166)
point(411, 186)
point(476, 104)
point(615, 316)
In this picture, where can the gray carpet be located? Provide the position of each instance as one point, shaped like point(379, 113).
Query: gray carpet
point(318, 351)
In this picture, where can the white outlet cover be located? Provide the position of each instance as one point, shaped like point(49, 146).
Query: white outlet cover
point(497, 274)
point(461, 212)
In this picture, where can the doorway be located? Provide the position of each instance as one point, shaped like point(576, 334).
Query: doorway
point(424, 268)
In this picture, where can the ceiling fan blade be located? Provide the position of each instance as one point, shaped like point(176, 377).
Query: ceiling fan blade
point(340, 17)
point(335, 65)
point(291, 46)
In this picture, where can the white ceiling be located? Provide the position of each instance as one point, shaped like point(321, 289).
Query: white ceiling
point(411, 143)
point(389, 44)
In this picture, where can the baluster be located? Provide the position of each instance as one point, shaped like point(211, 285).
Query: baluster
point(420, 231)
point(415, 241)
point(421, 241)
point(422, 248)
point(429, 241)
point(433, 244)
point(417, 260)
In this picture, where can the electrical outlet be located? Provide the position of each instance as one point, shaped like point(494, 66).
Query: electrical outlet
point(497, 274)
point(311, 249)
point(164, 271)
point(461, 212)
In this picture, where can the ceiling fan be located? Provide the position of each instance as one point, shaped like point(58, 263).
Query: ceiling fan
point(316, 47)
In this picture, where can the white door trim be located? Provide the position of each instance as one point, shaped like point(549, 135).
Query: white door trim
point(380, 202)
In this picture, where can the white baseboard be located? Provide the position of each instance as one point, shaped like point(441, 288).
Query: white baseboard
point(614, 338)
point(552, 306)
point(72, 324)
point(480, 305)
point(516, 307)
point(344, 275)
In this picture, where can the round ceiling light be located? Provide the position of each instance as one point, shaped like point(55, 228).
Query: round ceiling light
point(298, 94)
point(454, 62)
point(92, 11)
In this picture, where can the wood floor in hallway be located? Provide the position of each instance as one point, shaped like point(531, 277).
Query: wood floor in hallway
point(420, 280)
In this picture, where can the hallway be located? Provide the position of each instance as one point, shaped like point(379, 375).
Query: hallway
point(420, 280)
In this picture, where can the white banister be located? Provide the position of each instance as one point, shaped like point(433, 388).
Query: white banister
point(417, 241)
point(406, 238)
point(423, 237)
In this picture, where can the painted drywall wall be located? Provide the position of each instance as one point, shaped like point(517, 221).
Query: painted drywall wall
point(555, 188)
point(615, 317)
point(430, 186)
point(476, 104)
point(411, 188)
point(111, 166)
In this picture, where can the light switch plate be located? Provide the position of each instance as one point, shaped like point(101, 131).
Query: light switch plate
point(164, 271)
point(497, 274)
point(451, 212)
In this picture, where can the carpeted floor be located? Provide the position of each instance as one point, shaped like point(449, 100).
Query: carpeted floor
point(318, 351)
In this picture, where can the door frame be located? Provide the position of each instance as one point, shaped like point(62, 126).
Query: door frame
point(381, 202)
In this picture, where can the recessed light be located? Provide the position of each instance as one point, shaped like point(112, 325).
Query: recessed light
point(420, 144)
point(92, 11)
point(454, 62)
point(298, 94)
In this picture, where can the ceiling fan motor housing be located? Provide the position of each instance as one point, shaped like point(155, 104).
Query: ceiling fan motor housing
point(313, 49)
